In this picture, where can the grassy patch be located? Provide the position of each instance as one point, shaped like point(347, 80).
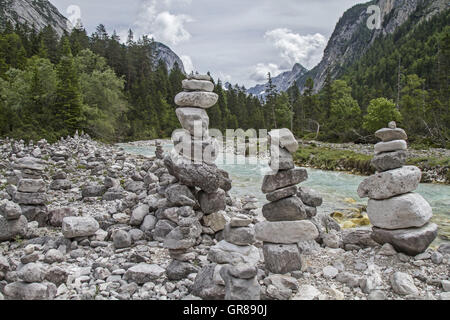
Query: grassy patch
point(332, 159)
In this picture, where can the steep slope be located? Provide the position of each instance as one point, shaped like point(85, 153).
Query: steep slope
point(39, 13)
point(282, 81)
point(352, 38)
point(163, 52)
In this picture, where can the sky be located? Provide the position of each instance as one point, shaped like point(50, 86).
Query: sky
point(238, 41)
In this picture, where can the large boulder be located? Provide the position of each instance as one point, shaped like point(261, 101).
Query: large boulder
point(73, 227)
point(202, 100)
point(204, 176)
point(388, 184)
point(283, 179)
point(286, 232)
point(288, 209)
point(194, 120)
point(405, 211)
point(411, 241)
point(389, 160)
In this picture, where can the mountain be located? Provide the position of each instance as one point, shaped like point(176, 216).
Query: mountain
point(283, 81)
point(39, 13)
point(163, 52)
point(352, 38)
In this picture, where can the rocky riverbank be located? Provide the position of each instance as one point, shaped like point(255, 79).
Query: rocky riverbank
point(97, 219)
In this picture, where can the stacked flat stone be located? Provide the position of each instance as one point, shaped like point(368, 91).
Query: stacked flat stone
point(286, 214)
point(201, 189)
point(240, 277)
point(231, 273)
point(398, 215)
point(31, 189)
point(159, 153)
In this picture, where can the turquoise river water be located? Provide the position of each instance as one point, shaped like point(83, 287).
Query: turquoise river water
point(337, 188)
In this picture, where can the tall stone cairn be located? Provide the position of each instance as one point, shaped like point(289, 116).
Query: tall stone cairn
point(398, 215)
point(201, 187)
point(286, 214)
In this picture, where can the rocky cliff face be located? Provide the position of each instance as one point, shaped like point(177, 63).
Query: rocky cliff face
point(39, 13)
point(283, 81)
point(351, 37)
point(163, 52)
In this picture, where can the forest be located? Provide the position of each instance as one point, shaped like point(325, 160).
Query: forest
point(115, 90)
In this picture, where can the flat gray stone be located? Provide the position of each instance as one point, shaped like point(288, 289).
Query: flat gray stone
point(121, 239)
point(394, 145)
point(405, 211)
point(143, 273)
point(197, 85)
point(283, 179)
point(203, 100)
point(390, 183)
point(288, 209)
point(203, 77)
point(411, 241)
point(240, 289)
point(281, 193)
point(30, 291)
point(403, 284)
point(178, 270)
point(228, 253)
point(388, 134)
point(9, 229)
point(180, 195)
point(31, 185)
point(240, 236)
point(286, 232)
point(389, 160)
point(34, 199)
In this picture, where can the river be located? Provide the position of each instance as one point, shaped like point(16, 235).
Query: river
point(337, 188)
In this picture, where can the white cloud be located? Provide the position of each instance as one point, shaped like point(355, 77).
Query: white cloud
point(156, 21)
point(187, 62)
point(295, 48)
point(261, 70)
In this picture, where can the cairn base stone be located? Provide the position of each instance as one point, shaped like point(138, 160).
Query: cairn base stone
point(178, 270)
point(405, 211)
point(240, 289)
point(411, 241)
point(212, 202)
point(204, 285)
point(283, 258)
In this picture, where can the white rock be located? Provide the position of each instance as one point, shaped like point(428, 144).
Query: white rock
point(390, 183)
point(405, 211)
point(73, 227)
point(285, 139)
point(194, 120)
point(330, 272)
point(198, 85)
point(390, 146)
point(307, 292)
point(202, 100)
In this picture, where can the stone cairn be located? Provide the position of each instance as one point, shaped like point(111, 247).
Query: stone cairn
point(286, 214)
point(201, 188)
point(398, 215)
point(31, 189)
